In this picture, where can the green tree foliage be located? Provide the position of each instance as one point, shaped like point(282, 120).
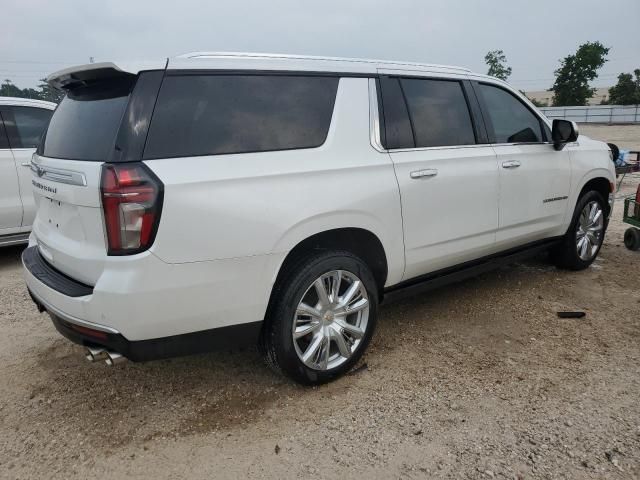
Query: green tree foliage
point(497, 62)
point(627, 90)
point(43, 92)
point(538, 103)
point(571, 87)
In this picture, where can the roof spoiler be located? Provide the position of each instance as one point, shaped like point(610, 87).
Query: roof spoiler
point(91, 72)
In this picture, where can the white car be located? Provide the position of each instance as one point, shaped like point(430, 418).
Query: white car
point(279, 199)
point(22, 122)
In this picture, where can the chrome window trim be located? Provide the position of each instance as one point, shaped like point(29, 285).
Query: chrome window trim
point(446, 147)
point(521, 144)
point(374, 130)
point(374, 119)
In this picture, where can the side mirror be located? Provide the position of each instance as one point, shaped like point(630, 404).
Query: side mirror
point(563, 132)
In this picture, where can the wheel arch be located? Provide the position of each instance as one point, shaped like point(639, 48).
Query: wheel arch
point(359, 241)
point(600, 184)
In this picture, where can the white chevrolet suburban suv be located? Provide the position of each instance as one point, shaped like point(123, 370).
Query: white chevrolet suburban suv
point(279, 199)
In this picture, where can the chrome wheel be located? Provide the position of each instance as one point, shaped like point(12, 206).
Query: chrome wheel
point(330, 320)
point(589, 231)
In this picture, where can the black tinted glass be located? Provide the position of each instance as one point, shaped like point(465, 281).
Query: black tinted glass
point(439, 112)
point(85, 124)
point(216, 114)
point(30, 123)
point(396, 118)
point(512, 121)
point(4, 140)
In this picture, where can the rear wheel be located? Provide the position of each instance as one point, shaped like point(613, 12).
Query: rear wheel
point(583, 240)
point(632, 239)
point(322, 318)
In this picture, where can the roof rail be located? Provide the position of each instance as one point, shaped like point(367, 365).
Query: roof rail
point(317, 58)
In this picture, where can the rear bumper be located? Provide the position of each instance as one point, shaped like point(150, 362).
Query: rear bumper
point(243, 335)
point(91, 334)
point(144, 308)
point(141, 297)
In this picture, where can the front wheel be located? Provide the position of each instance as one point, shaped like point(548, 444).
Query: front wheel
point(322, 318)
point(582, 242)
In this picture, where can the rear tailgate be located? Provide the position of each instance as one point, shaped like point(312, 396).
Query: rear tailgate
point(96, 122)
point(68, 226)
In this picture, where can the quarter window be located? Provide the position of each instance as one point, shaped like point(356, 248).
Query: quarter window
point(439, 112)
point(511, 120)
point(222, 114)
point(4, 140)
point(398, 132)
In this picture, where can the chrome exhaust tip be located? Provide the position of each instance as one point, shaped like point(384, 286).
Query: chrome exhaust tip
point(95, 354)
point(113, 358)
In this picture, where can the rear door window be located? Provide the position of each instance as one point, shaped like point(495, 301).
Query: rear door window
point(85, 124)
point(25, 125)
point(209, 114)
point(509, 118)
point(439, 112)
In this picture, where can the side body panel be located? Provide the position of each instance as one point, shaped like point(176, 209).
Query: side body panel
point(451, 217)
point(264, 203)
point(22, 159)
point(10, 202)
point(534, 196)
point(589, 160)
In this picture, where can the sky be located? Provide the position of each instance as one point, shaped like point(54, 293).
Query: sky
point(38, 37)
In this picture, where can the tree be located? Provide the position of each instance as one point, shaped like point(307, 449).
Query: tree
point(571, 87)
point(538, 103)
point(43, 92)
point(48, 93)
point(497, 62)
point(8, 89)
point(627, 90)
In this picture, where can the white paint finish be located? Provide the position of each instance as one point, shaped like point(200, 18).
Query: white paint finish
point(451, 217)
point(10, 201)
point(22, 158)
point(27, 102)
point(543, 173)
point(589, 159)
point(69, 221)
point(263, 203)
point(143, 297)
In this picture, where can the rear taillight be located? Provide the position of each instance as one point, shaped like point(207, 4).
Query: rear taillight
point(131, 202)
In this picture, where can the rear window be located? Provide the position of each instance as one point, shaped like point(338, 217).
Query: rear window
point(85, 124)
point(222, 114)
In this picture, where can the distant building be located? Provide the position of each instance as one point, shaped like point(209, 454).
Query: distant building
point(545, 96)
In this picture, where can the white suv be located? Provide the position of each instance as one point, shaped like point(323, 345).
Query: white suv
point(22, 122)
point(281, 198)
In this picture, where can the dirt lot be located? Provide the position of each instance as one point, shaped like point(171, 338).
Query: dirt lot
point(476, 380)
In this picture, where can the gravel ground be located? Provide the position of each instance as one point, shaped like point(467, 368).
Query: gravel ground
point(477, 380)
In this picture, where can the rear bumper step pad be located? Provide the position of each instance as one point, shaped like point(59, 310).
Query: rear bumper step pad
point(52, 278)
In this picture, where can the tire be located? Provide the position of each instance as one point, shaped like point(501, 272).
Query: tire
point(568, 255)
point(632, 239)
point(326, 322)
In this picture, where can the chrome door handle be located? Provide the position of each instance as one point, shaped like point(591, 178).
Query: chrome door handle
point(511, 164)
point(429, 172)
